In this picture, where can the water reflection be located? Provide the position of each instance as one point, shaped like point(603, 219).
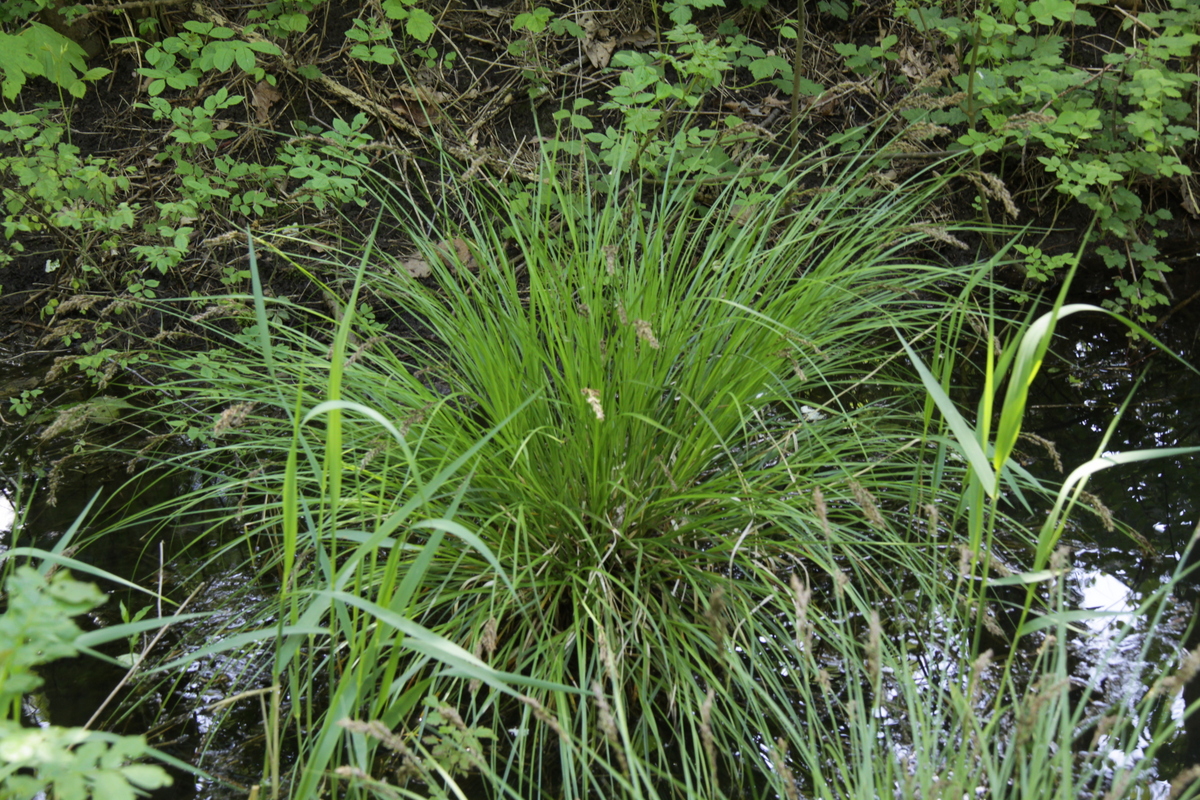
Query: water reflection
point(8, 514)
point(1080, 392)
point(1074, 403)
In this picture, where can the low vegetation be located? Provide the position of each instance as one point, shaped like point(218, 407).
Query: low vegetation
point(632, 464)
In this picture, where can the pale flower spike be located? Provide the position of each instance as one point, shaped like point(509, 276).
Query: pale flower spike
point(593, 398)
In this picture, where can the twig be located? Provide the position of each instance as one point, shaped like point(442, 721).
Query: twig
point(138, 663)
point(96, 9)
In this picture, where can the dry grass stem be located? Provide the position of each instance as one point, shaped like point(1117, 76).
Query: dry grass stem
point(940, 234)
point(779, 760)
point(714, 614)
point(840, 581)
point(801, 597)
point(1103, 511)
point(1188, 668)
point(706, 737)
point(931, 514)
point(608, 725)
point(991, 187)
point(610, 259)
point(646, 333)
point(874, 647)
point(545, 717)
point(978, 669)
point(866, 501)
point(822, 511)
point(1048, 446)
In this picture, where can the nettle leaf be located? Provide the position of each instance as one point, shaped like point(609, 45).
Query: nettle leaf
point(1040, 51)
point(1185, 133)
point(679, 14)
point(1179, 46)
point(49, 54)
point(15, 63)
point(1078, 121)
point(36, 628)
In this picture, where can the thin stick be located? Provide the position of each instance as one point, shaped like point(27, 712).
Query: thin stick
point(141, 657)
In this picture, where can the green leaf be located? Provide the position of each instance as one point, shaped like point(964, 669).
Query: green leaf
point(1066, 618)
point(534, 21)
point(245, 59)
point(1046, 12)
point(222, 56)
point(1026, 578)
point(397, 9)
point(766, 67)
point(964, 434)
point(420, 25)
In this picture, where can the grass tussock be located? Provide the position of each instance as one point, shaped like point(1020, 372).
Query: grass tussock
point(646, 499)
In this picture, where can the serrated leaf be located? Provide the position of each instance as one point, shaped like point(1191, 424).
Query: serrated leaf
point(395, 9)
point(147, 776)
point(110, 785)
point(420, 25)
point(766, 67)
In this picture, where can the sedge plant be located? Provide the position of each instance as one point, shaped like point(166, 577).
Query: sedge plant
point(630, 411)
point(614, 505)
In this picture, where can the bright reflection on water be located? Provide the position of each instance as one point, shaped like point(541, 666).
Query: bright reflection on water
point(8, 515)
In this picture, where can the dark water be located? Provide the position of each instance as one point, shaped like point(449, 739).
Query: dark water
point(181, 712)
point(1076, 402)
point(1096, 367)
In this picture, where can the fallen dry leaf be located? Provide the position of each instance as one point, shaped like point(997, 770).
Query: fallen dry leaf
point(639, 38)
point(461, 254)
point(262, 97)
point(822, 105)
point(417, 267)
point(422, 106)
point(587, 20)
point(1189, 204)
point(454, 254)
point(598, 52)
point(742, 109)
point(413, 110)
point(912, 64)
